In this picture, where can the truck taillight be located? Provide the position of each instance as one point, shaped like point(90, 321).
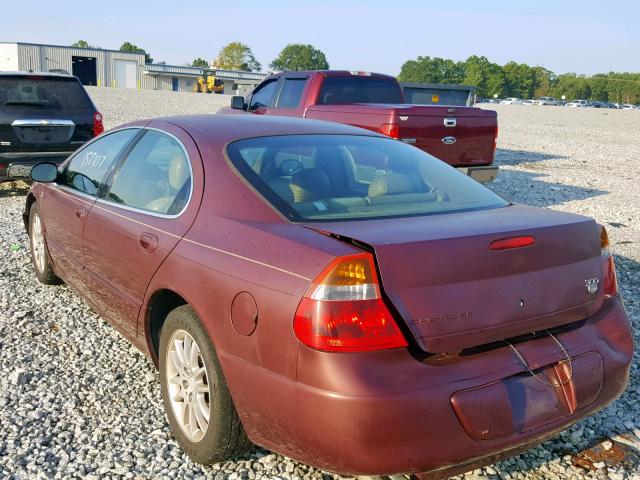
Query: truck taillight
point(610, 279)
point(495, 137)
point(98, 126)
point(343, 310)
point(390, 130)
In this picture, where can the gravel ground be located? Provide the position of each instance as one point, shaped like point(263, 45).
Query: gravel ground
point(67, 409)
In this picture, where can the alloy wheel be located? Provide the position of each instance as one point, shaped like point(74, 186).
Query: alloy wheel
point(188, 385)
point(37, 243)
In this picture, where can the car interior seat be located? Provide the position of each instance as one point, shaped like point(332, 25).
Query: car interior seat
point(178, 175)
point(310, 184)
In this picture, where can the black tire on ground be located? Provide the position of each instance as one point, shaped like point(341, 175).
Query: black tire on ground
point(225, 437)
point(44, 273)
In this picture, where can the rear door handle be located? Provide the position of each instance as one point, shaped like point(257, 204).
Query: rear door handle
point(148, 242)
point(450, 122)
point(81, 213)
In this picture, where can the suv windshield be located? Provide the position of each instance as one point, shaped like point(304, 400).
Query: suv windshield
point(348, 177)
point(43, 93)
point(355, 89)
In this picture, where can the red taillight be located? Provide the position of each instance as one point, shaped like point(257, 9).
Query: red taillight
point(513, 242)
point(343, 310)
point(495, 138)
point(98, 127)
point(610, 283)
point(390, 130)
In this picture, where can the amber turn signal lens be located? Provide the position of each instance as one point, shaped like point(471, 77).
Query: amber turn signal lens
point(344, 311)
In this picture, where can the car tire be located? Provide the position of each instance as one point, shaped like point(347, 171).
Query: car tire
point(39, 252)
point(191, 385)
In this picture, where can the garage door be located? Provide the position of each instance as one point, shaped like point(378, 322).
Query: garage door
point(126, 73)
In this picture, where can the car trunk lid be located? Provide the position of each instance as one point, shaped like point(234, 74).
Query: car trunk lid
point(454, 292)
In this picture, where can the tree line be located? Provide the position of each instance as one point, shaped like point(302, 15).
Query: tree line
point(238, 56)
point(490, 79)
point(521, 80)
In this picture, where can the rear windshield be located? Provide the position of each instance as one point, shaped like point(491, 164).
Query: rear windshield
point(341, 90)
point(345, 177)
point(41, 93)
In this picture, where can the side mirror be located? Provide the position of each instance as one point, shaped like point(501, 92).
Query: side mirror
point(44, 172)
point(237, 102)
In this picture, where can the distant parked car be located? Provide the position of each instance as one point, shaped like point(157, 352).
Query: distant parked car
point(628, 106)
point(577, 103)
point(511, 101)
point(545, 101)
point(43, 116)
point(333, 294)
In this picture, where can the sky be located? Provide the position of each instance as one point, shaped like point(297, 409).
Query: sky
point(582, 36)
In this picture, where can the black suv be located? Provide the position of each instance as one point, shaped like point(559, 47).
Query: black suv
point(43, 117)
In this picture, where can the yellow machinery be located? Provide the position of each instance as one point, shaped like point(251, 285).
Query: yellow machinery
point(208, 83)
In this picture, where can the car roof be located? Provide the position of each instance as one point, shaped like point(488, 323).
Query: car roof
point(224, 128)
point(35, 74)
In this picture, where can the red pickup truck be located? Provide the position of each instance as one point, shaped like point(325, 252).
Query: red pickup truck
point(464, 137)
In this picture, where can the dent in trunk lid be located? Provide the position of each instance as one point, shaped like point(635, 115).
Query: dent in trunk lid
point(453, 292)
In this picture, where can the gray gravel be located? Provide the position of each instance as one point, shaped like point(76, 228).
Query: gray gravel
point(77, 401)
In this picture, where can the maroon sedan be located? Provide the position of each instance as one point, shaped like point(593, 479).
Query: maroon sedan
point(332, 294)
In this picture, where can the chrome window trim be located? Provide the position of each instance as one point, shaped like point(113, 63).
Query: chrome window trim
point(32, 122)
point(105, 201)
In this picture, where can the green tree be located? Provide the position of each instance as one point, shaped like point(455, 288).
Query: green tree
point(432, 70)
point(130, 47)
point(237, 56)
point(545, 80)
point(82, 44)
point(296, 57)
point(200, 62)
point(521, 80)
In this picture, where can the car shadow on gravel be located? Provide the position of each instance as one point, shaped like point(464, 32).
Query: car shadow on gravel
point(505, 156)
point(531, 189)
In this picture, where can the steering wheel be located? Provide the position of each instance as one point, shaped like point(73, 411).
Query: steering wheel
point(290, 167)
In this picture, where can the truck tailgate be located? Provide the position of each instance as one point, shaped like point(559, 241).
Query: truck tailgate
point(460, 136)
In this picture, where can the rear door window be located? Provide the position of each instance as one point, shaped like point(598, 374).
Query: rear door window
point(291, 92)
point(44, 94)
point(89, 167)
point(155, 177)
point(263, 96)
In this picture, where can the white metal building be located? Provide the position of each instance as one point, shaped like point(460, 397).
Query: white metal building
point(113, 68)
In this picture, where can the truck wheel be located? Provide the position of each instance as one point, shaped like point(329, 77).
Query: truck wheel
point(196, 398)
point(39, 253)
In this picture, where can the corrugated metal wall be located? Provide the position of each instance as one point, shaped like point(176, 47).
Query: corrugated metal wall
point(46, 58)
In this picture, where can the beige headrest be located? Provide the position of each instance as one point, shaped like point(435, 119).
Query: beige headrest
point(395, 183)
point(310, 184)
point(178, 171)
